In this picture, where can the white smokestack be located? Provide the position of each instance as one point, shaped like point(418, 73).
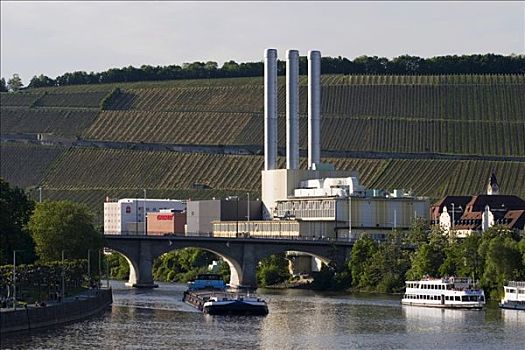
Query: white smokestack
point(270, 109)
point(292, 109)
point(314, 107)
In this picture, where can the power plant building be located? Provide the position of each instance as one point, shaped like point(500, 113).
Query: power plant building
point(318, 202)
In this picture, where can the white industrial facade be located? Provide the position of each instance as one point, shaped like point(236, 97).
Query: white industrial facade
point(126, 216)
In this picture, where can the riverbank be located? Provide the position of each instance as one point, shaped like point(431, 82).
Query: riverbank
point(71, 309)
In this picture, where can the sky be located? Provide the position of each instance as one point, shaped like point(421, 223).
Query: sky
point(52, 38)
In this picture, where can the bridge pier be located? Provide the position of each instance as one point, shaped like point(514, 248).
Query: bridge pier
point(248, 270)
point(144, 277)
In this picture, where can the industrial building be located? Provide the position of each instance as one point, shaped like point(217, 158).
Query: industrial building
point(319, 202)
point(166, 222)
point(128, 215)
point(202, 214)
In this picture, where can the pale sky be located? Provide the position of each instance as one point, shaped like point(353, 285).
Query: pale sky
point(52, 38)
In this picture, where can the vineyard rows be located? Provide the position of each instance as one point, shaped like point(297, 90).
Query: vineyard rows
point(18, 99)
point(72, 100)
point(169, 127)
point(61, 122)
point(410, 136)
point(222, 99)
point(24, 165)
point(457, 102)
point(338, 134)
point(463, 102)
point(457, 79)
point(103, 169)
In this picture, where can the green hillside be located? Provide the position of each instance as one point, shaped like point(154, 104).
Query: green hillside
point(478, 121)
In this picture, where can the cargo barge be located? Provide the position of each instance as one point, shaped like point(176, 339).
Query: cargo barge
point(209, 294)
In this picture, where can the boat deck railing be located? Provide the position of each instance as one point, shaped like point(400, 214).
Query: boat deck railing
point(516, 284)
point(221, 294)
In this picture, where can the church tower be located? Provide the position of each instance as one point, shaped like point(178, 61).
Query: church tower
point(493, 187)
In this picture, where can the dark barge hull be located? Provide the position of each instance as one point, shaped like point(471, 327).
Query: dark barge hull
point(236, 308)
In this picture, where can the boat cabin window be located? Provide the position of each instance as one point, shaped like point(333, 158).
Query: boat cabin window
point(209, 277)
point(458, 298)
point(511, 290)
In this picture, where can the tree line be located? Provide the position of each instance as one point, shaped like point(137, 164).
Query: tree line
point(39, 234)
point(402, 65)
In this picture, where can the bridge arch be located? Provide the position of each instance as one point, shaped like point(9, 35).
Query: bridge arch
point(134, 271)
point(234, 265)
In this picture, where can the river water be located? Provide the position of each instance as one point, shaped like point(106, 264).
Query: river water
point(298, 319)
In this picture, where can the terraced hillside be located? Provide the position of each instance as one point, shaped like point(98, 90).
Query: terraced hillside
point(25, 164)
point(58, 114)
point(477, 121)
point(479, 115)
point(126, 171)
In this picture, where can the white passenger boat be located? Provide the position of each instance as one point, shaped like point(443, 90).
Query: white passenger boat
point(448, 292)
point(514, 296)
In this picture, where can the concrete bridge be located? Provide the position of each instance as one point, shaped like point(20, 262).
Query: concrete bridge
point(241, 254)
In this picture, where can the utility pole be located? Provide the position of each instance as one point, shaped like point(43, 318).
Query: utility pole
point(248, 212)
point(14, 277)
point(89, 267)
point(395, 219)
point(237, 212)
point(349, 217)
point(63, 277)
point(453, 209)
point(99, 269)
point(40, 194)
point(107, 273)
point(145, 232)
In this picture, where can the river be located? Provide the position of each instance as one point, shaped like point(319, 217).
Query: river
point(298, 319)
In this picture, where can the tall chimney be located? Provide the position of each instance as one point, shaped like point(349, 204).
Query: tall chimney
point(270, 109)
point(314, 107)
point(292, 103)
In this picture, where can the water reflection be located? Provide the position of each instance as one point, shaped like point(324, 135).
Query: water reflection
point(514, 318)
point(158, 319)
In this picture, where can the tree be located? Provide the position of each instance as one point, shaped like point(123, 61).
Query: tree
point(430, 256)
point(419, 232)
point(41, 81)
point(15, 210)
point(183, 265)
point(118, 266)
point(15, 83)
point(363, 249)
point(503, 262)
point(273, 270)
point(386, 269)
point(3, 85)
point(63, 225)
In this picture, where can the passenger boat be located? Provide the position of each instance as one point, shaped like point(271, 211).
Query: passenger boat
point(514, 296)
point(448, 292)
point(209, 294)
